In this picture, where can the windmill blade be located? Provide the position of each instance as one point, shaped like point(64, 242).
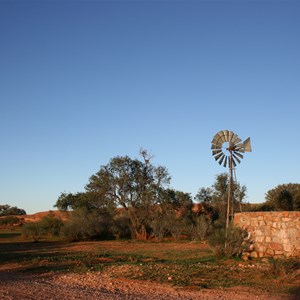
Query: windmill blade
point(238, 154)
point(238, 146)
point(214, 152)
point(247, 145)
point(225, 162)
point(217, 139)
point(217, 142)
point(241, 150)
point(236, 158)
point(230, 136)
point(221, 160)
point(226, 135)
point(237, 141)
point(233, 138)
point(220, 136)
point(233, 162)
point(215, 146)
point(218, 155)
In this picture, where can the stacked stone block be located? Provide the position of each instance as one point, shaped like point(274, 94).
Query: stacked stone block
point(274, 234)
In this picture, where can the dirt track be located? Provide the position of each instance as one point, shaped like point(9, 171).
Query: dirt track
point(16, 285)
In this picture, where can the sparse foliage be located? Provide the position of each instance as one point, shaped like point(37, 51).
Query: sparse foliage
point(199, 228)
point(217, 195)
point(204, 195)
point(235, 244)
point(33, 230)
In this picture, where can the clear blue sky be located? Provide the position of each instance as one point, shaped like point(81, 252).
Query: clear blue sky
point(84, 81)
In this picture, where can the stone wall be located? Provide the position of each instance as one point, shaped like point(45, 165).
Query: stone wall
point(274, 234)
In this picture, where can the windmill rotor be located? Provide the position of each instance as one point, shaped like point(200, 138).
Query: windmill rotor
point(226, 144)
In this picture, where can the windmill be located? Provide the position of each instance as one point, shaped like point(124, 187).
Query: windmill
point(227, 149)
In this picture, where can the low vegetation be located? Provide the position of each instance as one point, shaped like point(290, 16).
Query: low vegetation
point(182, 264)
point(48, 226)
point(9, 221)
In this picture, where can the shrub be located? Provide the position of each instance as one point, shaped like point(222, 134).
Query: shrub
point(51, 225)
point(33, 230)
point(199, 228)
point(159, 227)
point(10, 220)
point(87, 225)
point(286, 269)
point(121, 226)
point(235, 244)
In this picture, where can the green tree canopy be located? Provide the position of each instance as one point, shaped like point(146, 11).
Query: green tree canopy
point(283, 197)
point(7, 210)
point(88, 200)
point(132, 184)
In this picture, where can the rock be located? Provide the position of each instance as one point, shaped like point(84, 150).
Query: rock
point(245, 257)
point(253, 254)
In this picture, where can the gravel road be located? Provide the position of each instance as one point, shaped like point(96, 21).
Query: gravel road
point(22, 286)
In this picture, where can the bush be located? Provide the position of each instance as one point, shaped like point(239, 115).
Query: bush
point(33, 230)
point(87, 225)
point(167, 223)
point(235, 244)
point(287, 269)
point(199, 228)
point(11, 220)
point(121, 226)
point(51, 225)
point(47, 226)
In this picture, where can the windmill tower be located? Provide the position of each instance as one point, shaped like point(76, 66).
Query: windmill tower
point(227, 149)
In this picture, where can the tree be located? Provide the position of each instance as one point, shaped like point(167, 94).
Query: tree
point(217, 195)
point(178, 201)
point(134, 185)
point(283, 197)
point(204, 195)
point(33, 230)
point(173, 215)
point(88, 200)
point(7, 210)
